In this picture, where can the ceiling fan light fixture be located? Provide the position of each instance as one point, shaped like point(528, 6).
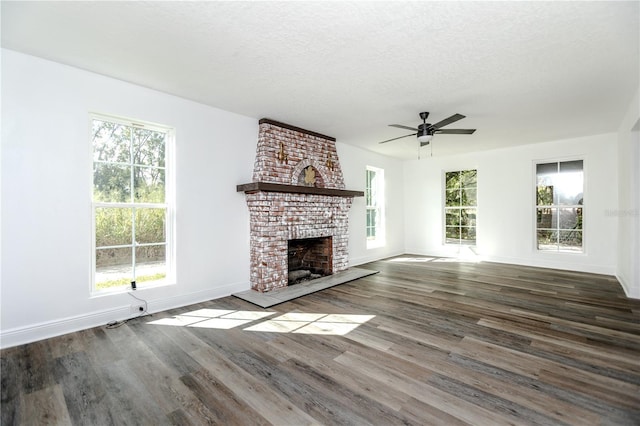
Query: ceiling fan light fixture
point(424, 136)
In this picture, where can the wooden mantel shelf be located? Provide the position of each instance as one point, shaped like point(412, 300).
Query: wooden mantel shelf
point(296, 189)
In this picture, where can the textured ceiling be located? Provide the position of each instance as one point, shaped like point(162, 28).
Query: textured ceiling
point(522, 72)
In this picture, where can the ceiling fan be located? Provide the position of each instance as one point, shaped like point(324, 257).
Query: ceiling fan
point(425, 131)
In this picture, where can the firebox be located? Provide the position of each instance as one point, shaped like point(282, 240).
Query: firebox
point(309, 258)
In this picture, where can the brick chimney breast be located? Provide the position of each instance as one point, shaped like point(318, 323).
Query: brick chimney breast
point(295, 158)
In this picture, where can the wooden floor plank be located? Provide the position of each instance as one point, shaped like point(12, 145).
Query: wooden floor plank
point(44, 407)
point(84, 393)
point(256, 393)
point(444, 342)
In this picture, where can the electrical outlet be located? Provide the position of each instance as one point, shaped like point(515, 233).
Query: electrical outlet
point(137, 308)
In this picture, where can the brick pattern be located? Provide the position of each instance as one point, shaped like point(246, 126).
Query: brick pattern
point(277, 217)
point(302, 150)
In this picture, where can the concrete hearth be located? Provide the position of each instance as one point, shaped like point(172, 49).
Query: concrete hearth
point(284, 294)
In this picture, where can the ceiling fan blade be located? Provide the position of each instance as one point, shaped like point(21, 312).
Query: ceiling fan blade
point(446, 121)
point(400, 126)
point(455, 131)
point(400, 137)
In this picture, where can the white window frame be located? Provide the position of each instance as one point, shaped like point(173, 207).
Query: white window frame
point(445, 208)
point(169, 205)
point(376, 194)
point(581, 206)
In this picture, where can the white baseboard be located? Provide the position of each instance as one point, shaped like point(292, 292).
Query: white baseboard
point(622, 279)
point(562, 264)
point(545, 263)
point(34, 332)
point(626, 284)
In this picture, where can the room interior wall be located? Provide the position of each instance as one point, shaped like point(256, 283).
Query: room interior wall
point(354, 162)
point(46, 197)
point(628, 211)
point(46, 208)
point(46, 182)
point(506, 197)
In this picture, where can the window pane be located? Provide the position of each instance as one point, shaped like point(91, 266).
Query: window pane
point(113, 226)
point(114, 267)
point(546, 175)
point(452, 217)
point(452, 180)
point(546, 169)
point(469, 197)
point(371, 223)
point(547, 240)
point(468, 217)
point(544, 195)
point(111, 142)
point(111, 183)
point(150, 225)
point(149, 185)
point(148, 147)
point(570, 218)
point(468, 178)
point(570, 240)
point(453, 198)
point(547, 218)
point(151, 264)
point(453, 234)
point(369, 188)
point(571, 166)
point(570, 183)
point(468, 235)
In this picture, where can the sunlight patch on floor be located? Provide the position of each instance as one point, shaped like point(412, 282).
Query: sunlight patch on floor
point(291, 322)
point(213, 318)
point(295, 322)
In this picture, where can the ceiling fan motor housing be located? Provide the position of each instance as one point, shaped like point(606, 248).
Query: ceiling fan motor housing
point(424, 129)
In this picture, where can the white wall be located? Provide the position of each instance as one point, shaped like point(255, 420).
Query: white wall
point(46, 180)
point(505, 203)
point(628, 212)
point(46, 190)
point(354, 162)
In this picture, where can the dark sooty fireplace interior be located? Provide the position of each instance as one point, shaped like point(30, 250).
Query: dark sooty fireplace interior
point(309, 258)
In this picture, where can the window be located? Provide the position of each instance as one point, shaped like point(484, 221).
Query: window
point(374, 198)
point(461, 195)
point(132, 208)
point(559, 206)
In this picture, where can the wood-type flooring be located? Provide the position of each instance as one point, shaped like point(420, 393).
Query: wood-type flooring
point(425, 341)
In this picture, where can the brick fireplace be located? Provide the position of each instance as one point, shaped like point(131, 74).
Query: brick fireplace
point(297, 194)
